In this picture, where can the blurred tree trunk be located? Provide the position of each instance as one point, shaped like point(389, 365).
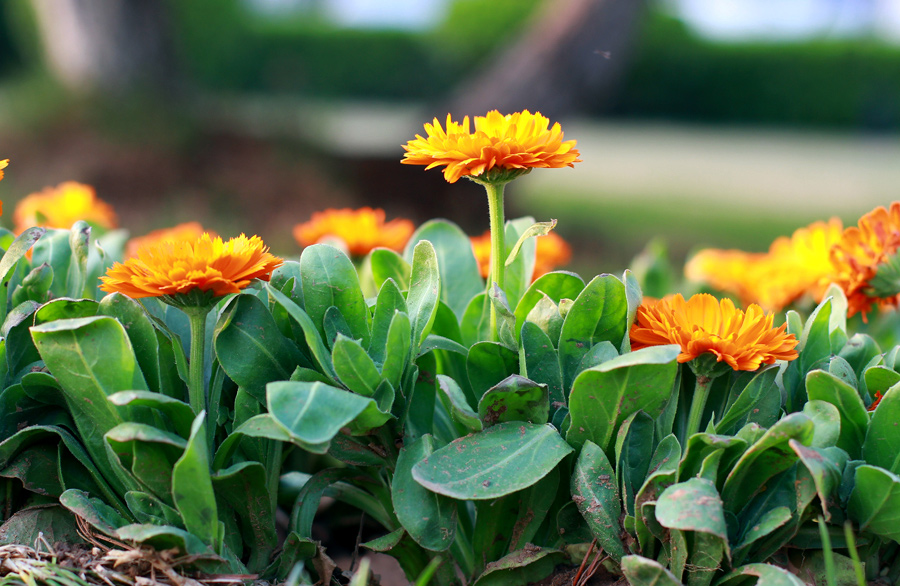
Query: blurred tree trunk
point(106, 45)
point(571, 55)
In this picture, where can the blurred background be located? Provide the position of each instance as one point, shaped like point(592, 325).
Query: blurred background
point(704, 122)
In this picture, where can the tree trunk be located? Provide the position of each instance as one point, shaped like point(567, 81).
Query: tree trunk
point(571, 55)
point(106, 46)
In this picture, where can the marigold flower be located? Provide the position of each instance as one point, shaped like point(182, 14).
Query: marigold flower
point(186, 232)
point(170, 268)
point(3, 165)
point(501, 148)
point(861, 252)
point(62, 206)
point(360, 230)
point(793, 267)
point(551, 251)
point(702, 324)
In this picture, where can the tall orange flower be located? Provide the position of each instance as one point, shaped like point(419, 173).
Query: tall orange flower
point(186, 232)
point(3, 165)
point(551, 251)
point(793, 267)
point(62, 206)
point(862, 253)
point(501, 148)
point(702, 324)
point(208, 265)
point(360, 230)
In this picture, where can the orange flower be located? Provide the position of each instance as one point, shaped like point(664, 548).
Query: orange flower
point(702, 324)
point(360, 230)
point(187, 232)
point(861, 252)
point(3, 165)
point(551, 251)
point(501, 148)
point(170, 268)
point(62, 206)
point(792, 268)
point(878, 396)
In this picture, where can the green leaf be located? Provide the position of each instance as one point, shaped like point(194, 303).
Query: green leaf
point(546, 316)
point(329, 279)
point(875, 502)
point(506, 321)
point(521, 269)
point(179, 413)
point(882, 445)
point(554, 286)
point(20, 350)
point(192, 488)
point(79, 236)
point(51, 522)
point(770, 455)
point(251, 348)
point(424, 292)
point(640, 571)
point(596, 495)
point(859, 350)
point(389, 301)
point(536, 229)
point(460, 277)
point(98, 514)
point(515, 398)
point(495, 462)
point(354, 368)
point(764, 574)
point(257, 426)
point(488, 363)
point(824, 386)
point(313, 338)
point(695, 506)
point(313, 413)
point(815, 342)
point(827, 423)
point(825, 474)
point(759, 402)
point(525, 566)
point(637, 381)
point(599, 313)
point(307, 501)
point(148, 453)
point(634, 450)
point(542, 363)
point(244, 487)
point(387, 264)
point(149, 509)
point(140, 332)
point(460, 410)
point(429, 518)
point(53, 249)
point(397, 350)
point(475, 325)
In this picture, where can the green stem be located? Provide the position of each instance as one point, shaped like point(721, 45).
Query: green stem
point(498, 245)
point(196, 389)
point(698, 403)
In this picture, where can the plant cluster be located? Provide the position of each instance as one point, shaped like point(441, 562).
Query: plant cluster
point(495, 429)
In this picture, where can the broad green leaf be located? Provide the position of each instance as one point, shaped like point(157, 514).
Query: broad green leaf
point(488, 363)
point(329, 279)
point(398, 544)
point(13, 255)
point(605, 395)
point(519, 271)
point(429, 518)
point(759, 402)
point(546, 316)
point(634, 297)
point(769, 521)
point(859, 350)
point(51, 522)
point(79, 236)
point(542, 363)
point(192, 488)
point(387, 264)
point(307, 501)
point(506, 321)
point(161, 538)
point(435, 342)
point(91, 358)
point(250, 347)
point(475, 325)
point(640, 571)
point(179, 413)
point(824, 386)
point(882, 445)
point(634, 450)
point(525, 566)
point(244, 487)
point(841, 369)
point(354, 368)
point(460, 410)
point(815, 342)
point(149, 509)
point(661, 473)
point(554, 286)
point(141, 333)
point(770, 455)
point(761, 575)
point(596, 495)
point(397, 349)
point(875, 502)
point(599, 313)
point(495, 462)
point(515, 398)
point(389, 301)
point(257, 426)
point(148, 453)
point(827, 421)
point(313, 413)
point(335, 325)
point(313, 338)
point(53, 249)
point(459, 275)
point(98, 514)
point(693, 505)
point(825, 473)
point(424, 291)
point(20, 350)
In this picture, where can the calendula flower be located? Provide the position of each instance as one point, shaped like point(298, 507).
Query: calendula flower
point(794, 266)
point(551, 251)
point(360, 230)
point(704, 325)
point(186, 232)
point(62, 206)
point(3, 165)
point(865, 263)
point(207, 265)
point(501, 148)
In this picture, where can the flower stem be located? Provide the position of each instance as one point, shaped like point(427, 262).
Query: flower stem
point(698, 403)
point(196, 389)
point(498, 245)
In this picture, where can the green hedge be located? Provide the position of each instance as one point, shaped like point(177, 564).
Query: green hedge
point(828, 83)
